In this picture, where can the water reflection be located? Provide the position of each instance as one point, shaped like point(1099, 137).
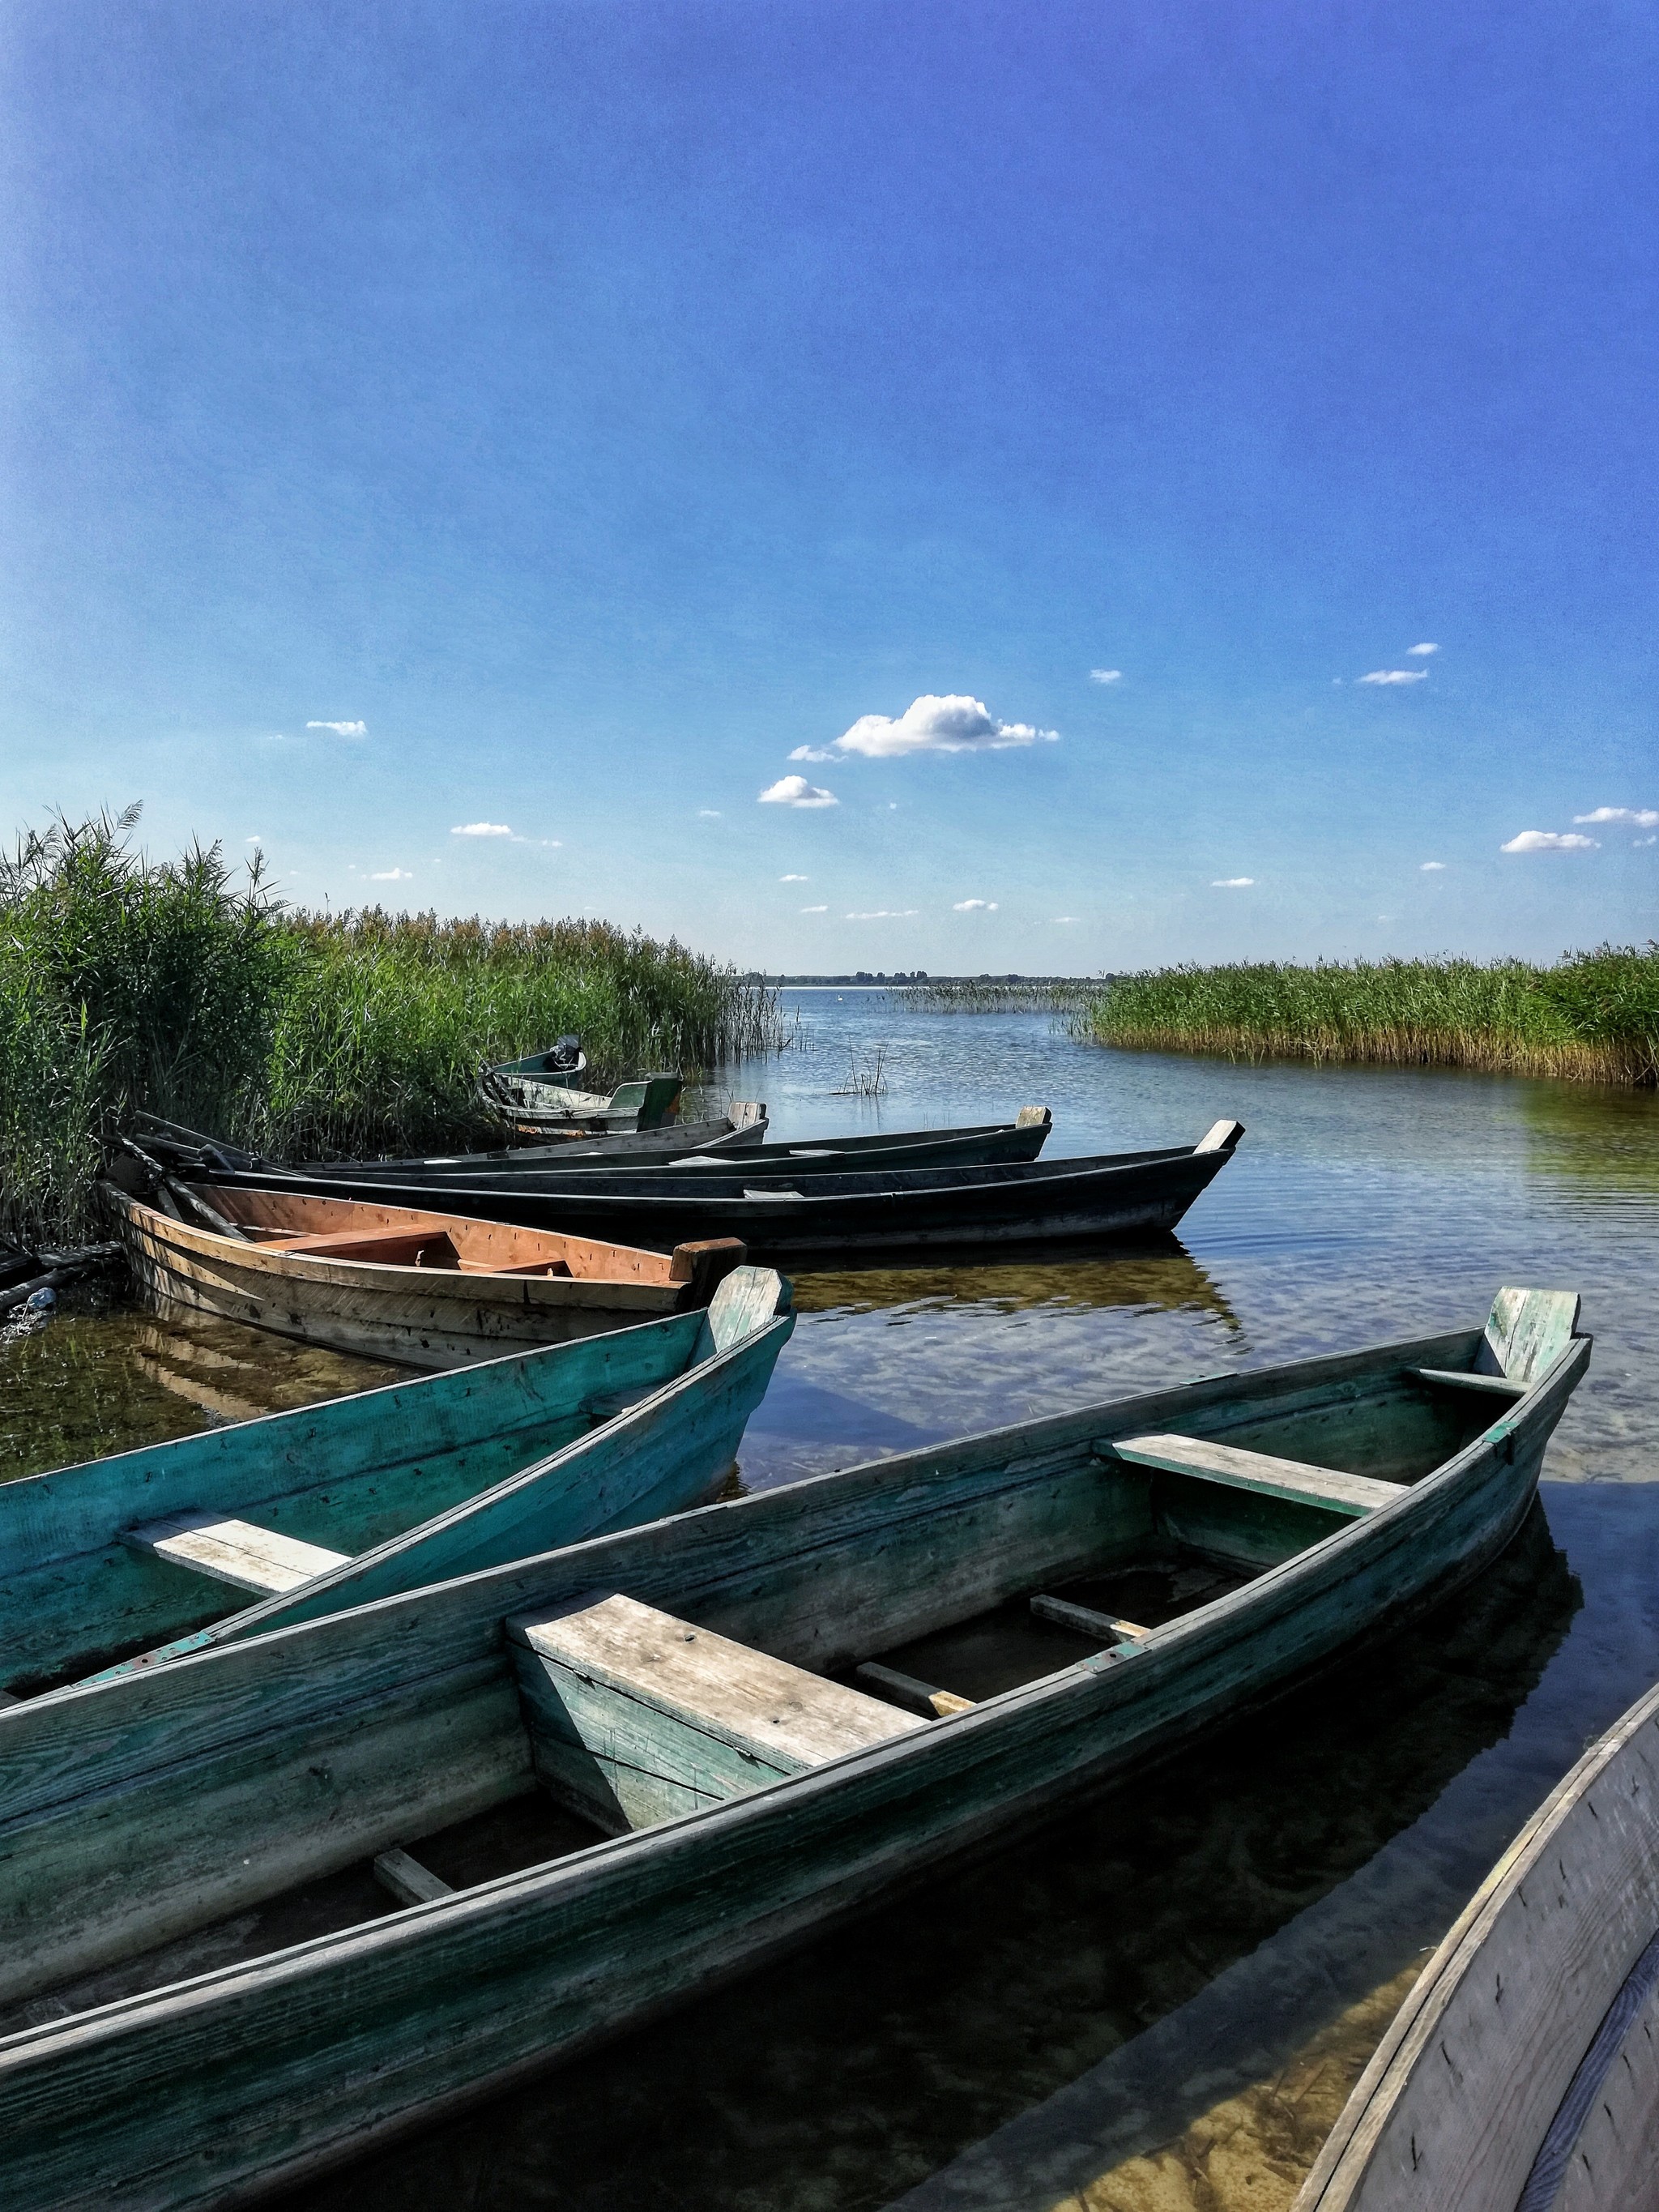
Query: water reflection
point(1152, 1276)
point(108, 1375)
point(1034, 1982)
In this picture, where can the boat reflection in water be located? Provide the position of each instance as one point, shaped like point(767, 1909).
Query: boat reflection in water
point(1013, 2033)
point(1155, 1275)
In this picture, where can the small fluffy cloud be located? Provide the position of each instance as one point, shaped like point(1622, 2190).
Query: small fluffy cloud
point(886, 914)
point(1232, 882)
point(1549, 841)
point(795, 791)
point(794, 879)
point(709, 814)
point(1064, 917)
point(815, 909)
point(481, 830)
point(392, 876)
point(1434, 868)
point(1105, 676)
point(1423, 651)
point(953, 724)
point(1396, 675)
point(1644, 841)
point(974, 906)
point(1639, 818)
point(341, 729)
point(811, 753)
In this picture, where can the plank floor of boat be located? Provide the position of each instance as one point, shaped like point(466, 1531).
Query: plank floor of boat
point(527, 1832)
point(1010, 1646)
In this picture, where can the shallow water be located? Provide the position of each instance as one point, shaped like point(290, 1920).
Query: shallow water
point(1159, 2003)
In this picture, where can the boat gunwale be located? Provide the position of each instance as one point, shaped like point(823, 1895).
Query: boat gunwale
point(579, 1869)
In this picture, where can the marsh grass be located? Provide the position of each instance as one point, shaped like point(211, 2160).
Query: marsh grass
point(970, 994)
point(1593, 1016)
point(182, 989)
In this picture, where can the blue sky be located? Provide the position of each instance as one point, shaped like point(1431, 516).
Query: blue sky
point(568, 422)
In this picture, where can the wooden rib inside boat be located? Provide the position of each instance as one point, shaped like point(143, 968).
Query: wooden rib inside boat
point(424, 1288)
point(582, 1785)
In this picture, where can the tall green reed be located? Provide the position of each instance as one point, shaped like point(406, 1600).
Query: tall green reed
point(1593, 1015)
point(184, 989)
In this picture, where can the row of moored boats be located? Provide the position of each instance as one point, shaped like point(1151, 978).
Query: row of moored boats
point(356, 1759)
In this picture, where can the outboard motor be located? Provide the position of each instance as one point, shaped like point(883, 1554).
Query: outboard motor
point(566, 1056)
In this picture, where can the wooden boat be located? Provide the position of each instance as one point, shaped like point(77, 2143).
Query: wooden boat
point(786, 1208)
point(190, 1151)
point(332, 1505)
point(561, 1063)
point(1021, 1139)
point(422, 1288)
point(680, 1747)
point(1521, 2073)
point(534, 1102)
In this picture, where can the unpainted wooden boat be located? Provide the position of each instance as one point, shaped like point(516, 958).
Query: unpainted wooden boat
point(680, 1747)
point(243, 1528)
point(1521, 2073)
point(422, 1288)
point(789, 1207)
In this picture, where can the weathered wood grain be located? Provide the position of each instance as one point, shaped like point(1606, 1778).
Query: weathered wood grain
point(234, 1552)
point(1302, 1484)
point(1065, 1614)
point(407, 1880)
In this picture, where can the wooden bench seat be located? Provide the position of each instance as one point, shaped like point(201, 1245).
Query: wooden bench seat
point(1354, 1495)
point(1457, 1378)
point(636, 1716)
point(235, 1552)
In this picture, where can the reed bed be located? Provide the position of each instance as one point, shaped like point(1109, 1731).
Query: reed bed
point(1593, 1016)
point(182, 989)
point(970, 994)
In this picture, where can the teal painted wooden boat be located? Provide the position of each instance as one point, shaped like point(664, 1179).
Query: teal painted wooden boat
point(679, 1748)
point(224, 1534)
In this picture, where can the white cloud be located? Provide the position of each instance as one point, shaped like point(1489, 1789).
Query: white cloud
point(256, 839)
point(1644, 841)
point(815, 909)
point(1423, 651)
point(1549, 841)
point(341, 729)
point(1434, 868)
point(709, 814)
point(811, 753)
point(481, 830)
point(392, 876)
point(795, 791)
point(1396, 675)
point(974, 906)
point(794, 879)
point(1639, 818)
point(1105, 676)
point(953, 724)
point(1232, 882)
point(886, 914)
point(1064, 917)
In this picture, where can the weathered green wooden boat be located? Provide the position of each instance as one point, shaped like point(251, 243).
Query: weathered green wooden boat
point(531, 1096)
point(325, 1508)
point(191, 1152)
point(677, 1748)
point(1521, 2073)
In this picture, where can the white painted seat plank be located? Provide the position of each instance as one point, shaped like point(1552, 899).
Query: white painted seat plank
point(1352, 1494)
point(235, 1552)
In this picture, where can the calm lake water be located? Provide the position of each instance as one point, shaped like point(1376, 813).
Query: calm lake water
point(1159, 2003)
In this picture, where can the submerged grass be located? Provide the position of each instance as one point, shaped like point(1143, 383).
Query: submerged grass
point(129, 984)
point(1593, 1015)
